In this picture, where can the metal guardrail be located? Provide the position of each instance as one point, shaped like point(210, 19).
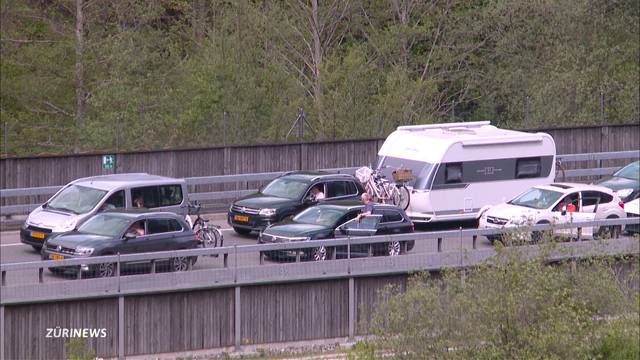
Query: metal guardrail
point(252, 177)
point(284, 272)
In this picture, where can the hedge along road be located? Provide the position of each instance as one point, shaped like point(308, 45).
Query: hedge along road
point(12, 250)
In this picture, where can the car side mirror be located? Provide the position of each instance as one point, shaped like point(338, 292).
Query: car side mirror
point(309, 199)
point(563, 212)
point(128, 236)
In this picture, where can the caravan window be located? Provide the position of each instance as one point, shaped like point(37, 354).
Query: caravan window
point(453, 173)
point(528, 168)
point(422, 171)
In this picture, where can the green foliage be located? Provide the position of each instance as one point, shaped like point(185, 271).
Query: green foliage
point(160, 74)
point(77, 349)
point(512, 308)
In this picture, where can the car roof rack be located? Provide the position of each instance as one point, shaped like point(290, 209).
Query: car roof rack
point(459, 125)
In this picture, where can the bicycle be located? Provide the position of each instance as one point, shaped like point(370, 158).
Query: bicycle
point(210, 236)
point(383, 190)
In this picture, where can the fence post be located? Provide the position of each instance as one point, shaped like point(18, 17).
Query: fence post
point(237, 319)
point(352, 308)
point(475, 239)
point(439, 244)
point(2, 332)
point(121, 354)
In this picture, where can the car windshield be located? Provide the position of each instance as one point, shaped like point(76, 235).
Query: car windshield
point(76, 199)
point(320, 215)
point(420, 170)
point(536, 198)
point(105, 224)
point(631, 171)
point(285, 187)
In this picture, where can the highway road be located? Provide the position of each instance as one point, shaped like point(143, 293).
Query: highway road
point(12, 250)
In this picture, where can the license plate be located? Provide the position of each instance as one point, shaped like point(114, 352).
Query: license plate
point(242, 218)
point(56, 257)
point(37, 235)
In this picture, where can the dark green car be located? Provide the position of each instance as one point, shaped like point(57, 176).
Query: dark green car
point(337, 219)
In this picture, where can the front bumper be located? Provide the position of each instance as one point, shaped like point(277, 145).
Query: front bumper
point(48, 254)
point(35, 236)
point(253, 222)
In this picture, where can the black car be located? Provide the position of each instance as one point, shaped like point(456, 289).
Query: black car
point(624, 182)
point(111, 233)
point(338, 219)
point(288, 195)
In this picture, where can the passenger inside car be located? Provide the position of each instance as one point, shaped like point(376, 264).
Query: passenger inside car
point(136, 229)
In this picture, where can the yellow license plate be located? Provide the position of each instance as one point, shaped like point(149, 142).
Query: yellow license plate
point(56, 257)
point(37, 235)
point(242, 218)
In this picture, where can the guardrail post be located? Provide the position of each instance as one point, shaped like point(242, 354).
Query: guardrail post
point(237, 320)
point(2, 330)
point(4, 278)
point(439, 244)
point(225, 259)
point(370, 250)
point(297, 255)
point(153, 266)
point(475, 239)
point(121, 354)
point(40, 275)
point(352, 308)
point(261, 257)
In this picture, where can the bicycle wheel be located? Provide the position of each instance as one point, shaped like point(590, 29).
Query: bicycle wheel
point(208, 238)
point(393, 194)
point(405, 197)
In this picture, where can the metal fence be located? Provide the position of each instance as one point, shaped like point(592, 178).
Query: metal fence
point(220, 199)
point(228, 271)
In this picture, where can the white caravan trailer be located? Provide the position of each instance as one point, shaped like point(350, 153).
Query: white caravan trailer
point(460, 169)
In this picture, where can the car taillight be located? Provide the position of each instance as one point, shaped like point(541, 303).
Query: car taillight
point(196, 237)
point(621, 204)
point(413, 226)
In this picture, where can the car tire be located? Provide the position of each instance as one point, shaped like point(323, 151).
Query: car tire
point(319, 254)
point(538, 236)
point(394, 248)
point(608, 232)
point(241, 231)
point(37, 248)
point(181, 263)
point(105, 270)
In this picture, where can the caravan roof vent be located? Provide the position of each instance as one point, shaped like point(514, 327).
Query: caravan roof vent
point(460, 130)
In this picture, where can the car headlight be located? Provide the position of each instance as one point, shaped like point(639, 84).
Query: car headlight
point(267, 212)
point(83, 250)
point(623, 193)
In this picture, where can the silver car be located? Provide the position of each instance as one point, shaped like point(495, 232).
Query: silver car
point(79, 200)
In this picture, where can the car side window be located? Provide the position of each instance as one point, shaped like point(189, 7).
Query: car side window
point(390, 216)
point(148, 194)
point(170, 195)
point(590, 198)
point(158, 226)
point(570, 201)
point(337, 189)
point(115, 201)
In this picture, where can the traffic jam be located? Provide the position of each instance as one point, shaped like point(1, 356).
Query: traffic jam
point(424, 176)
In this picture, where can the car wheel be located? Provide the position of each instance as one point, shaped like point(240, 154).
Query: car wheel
point(608, 232)
point(37, 248)
point(241, 231)
point(393, 248)
point(105, 270)
point(319, 254)
point(180, 263)
point(538, 236)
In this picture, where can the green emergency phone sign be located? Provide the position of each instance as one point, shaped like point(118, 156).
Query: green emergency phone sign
point(108, 161)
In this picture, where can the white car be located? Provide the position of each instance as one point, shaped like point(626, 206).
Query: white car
point(633, 211)
point(557, 203)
